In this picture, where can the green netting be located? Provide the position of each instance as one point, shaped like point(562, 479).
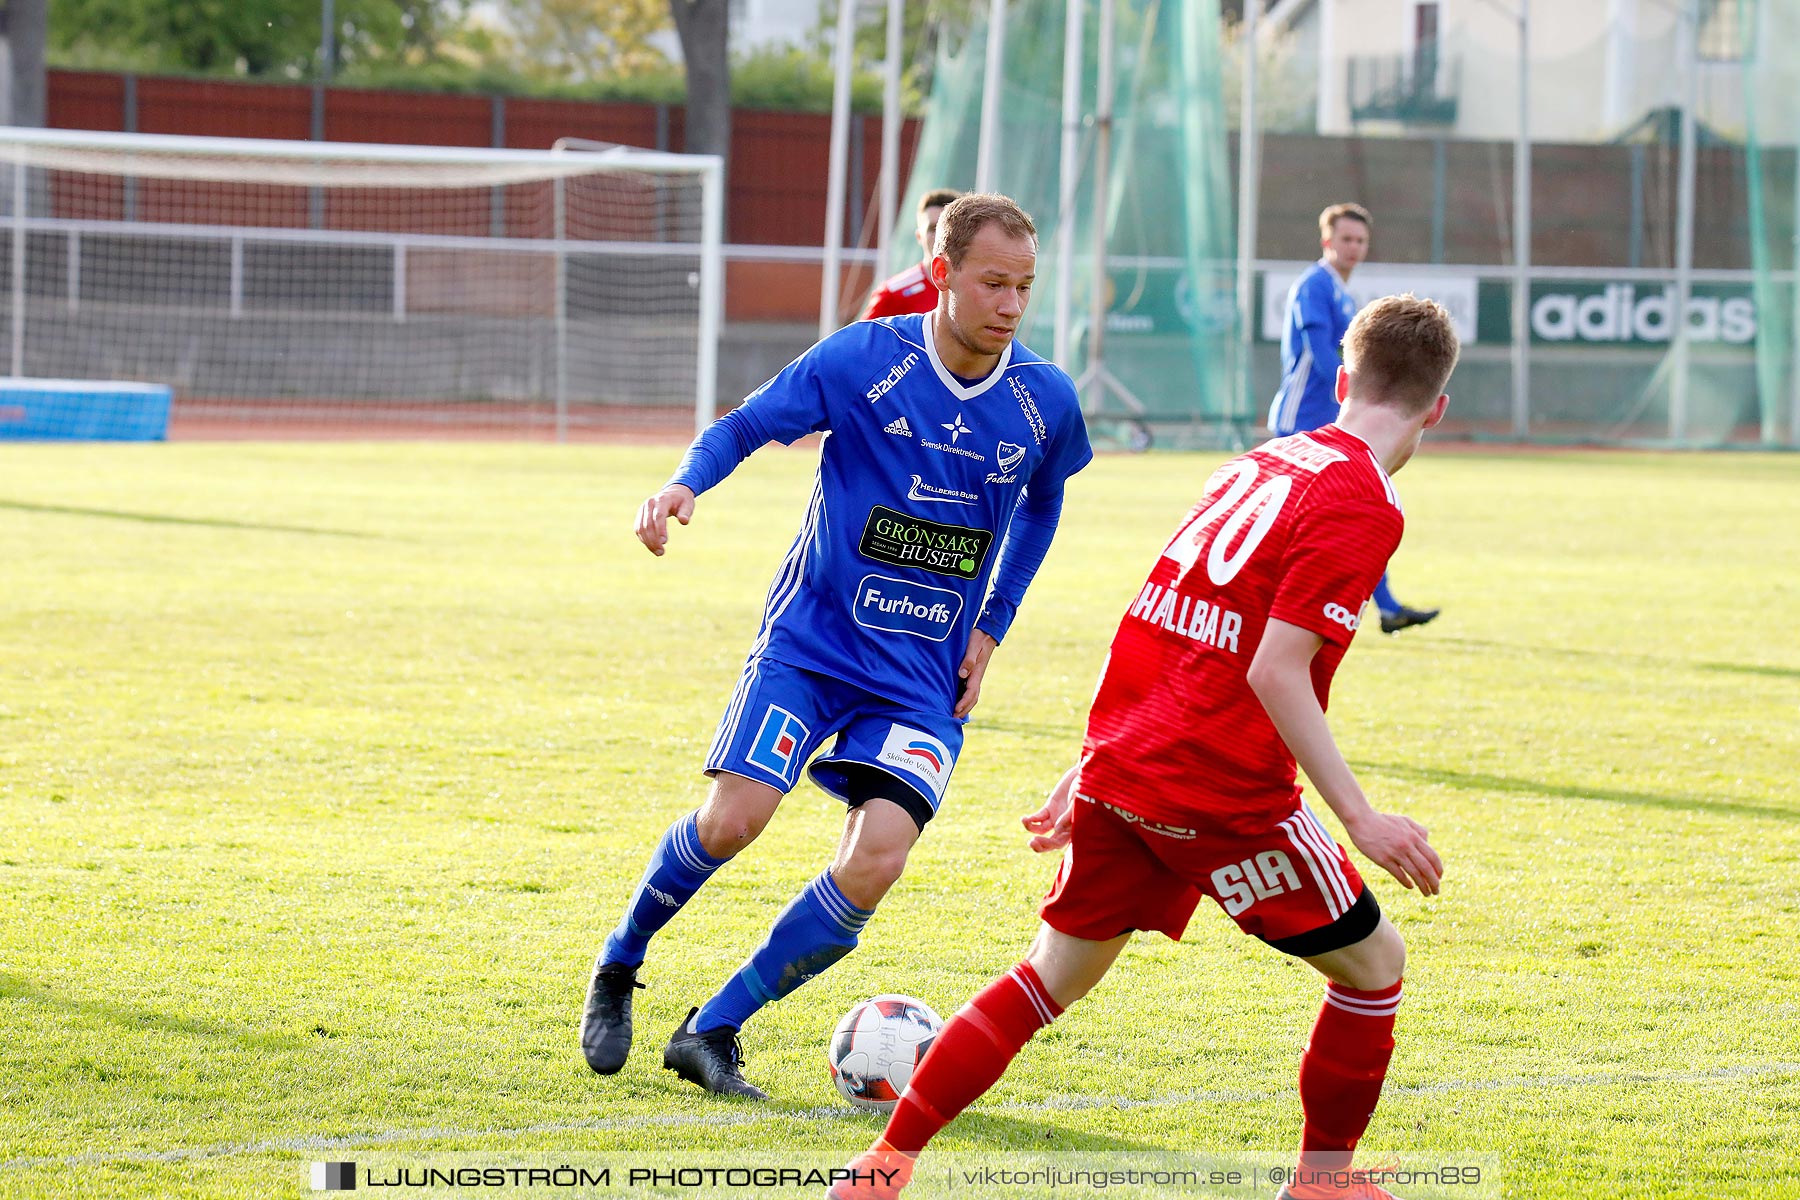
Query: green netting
point(1607, 216)
point(1171, 331)
point(1772, 108)
point(1604, 365)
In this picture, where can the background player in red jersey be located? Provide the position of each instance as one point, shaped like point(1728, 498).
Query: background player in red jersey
point(911, 291)
point(1216, 684)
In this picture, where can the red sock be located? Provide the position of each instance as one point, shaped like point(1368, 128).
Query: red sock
point(970, 1055)
point(1342, 1070)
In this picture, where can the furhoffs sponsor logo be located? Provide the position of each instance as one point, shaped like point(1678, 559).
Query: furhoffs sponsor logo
point(898, 606)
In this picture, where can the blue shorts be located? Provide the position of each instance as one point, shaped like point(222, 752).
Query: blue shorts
point(780, 714)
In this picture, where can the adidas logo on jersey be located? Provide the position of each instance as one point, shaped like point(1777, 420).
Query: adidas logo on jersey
point(898, 425)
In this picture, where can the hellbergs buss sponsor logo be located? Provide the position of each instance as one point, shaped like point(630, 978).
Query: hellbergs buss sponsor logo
point(921, 490)
point(890, 605)
point(885, 384)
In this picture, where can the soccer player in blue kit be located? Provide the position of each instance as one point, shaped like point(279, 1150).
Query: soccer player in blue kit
point(916, 549)
point(1318, 314)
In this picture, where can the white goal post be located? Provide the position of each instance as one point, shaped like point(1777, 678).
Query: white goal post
point(350, 288)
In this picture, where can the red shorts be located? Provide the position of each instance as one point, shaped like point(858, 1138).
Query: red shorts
point(1122, 872)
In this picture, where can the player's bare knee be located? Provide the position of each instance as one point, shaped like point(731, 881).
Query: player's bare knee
point(734, 814)
point(1387, 969)
point(1380, 963)
point(866, 873)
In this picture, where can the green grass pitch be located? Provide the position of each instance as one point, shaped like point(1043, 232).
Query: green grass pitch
point(324, 768)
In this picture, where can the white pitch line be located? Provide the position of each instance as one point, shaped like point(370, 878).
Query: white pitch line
point(760, 1116)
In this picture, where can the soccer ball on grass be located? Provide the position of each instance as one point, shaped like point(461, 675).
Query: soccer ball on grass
point(875, 1048)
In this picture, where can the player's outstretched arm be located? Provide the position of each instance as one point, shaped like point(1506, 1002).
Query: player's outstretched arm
point(653, 516)
point(1052, 824)
point(1281, 677)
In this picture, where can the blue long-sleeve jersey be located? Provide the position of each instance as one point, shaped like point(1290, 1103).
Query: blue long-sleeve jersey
point(1318, 315)
point(912, 517)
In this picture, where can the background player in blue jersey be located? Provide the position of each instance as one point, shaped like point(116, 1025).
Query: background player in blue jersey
point(940, 483)
point(1312, 332)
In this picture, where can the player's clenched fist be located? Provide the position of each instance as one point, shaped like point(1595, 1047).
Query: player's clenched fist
point(653, 516)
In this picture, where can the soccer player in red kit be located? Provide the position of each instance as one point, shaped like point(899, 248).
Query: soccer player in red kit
point(911, 291)
point(1216, 685)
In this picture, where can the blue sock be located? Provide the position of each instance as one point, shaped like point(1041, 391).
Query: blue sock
point(677, 868)
point(817, 928)
point(1384, 597)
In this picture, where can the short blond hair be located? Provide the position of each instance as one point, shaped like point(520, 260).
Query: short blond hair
point(1332, 215)
point(968, 215)
point(1400, 351)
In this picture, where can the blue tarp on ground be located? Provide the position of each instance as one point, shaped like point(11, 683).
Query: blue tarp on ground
point(83, 410)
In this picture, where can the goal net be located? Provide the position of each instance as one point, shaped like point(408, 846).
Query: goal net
point(335, 288)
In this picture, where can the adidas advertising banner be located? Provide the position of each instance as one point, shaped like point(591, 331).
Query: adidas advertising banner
point(1597, 311)
point(1587, 312)
point(1636, 313)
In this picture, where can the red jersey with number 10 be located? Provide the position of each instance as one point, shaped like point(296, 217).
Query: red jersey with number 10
point(1299, 529)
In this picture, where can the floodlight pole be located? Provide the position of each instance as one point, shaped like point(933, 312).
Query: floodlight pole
point(840, 155)
point(559, 206)
point(889, 216)
point(1521, 297)
point(1249, 151)
point(1679, 339)
point(1070, 177)
point(1097, 375)
point(1103, 119)
point(20, 195)
point(1794, 336)
point(712, 293)
point(993, 83)
point(327, 40)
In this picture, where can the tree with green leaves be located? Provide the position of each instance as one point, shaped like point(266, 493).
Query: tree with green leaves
point(921, 25)
point(577, 40)
point(252, 38)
